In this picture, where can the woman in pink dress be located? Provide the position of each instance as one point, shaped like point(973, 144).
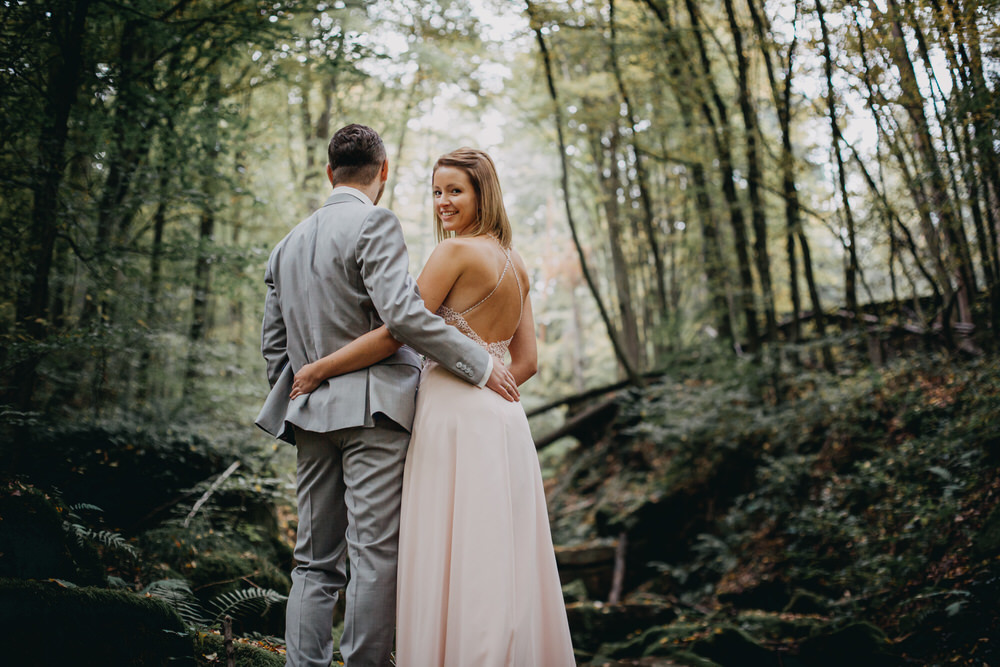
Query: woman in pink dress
point(477, 578)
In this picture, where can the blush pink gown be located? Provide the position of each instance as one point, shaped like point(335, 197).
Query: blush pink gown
point(478, 585)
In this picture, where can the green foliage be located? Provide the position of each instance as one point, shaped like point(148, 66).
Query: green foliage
point(38, 542)
point(111, 540)
point(866, 499)
point(177, 594)
point(230, 553)
point(239, 604)
point(210, 652)
point(103, 464)
point(45, 623)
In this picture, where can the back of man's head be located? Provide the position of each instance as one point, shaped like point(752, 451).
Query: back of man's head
point(356, 154)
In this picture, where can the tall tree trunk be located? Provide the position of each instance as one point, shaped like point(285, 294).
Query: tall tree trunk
point(536, 26)
point(61, 90)
point(611, 182)
point(782, 98)
point(722, 142)
point(316, 134)
point(947, 126)
point(202, 286)
point(131, 139)
point(960, 39)
point(912, 101)
point(676, 57)
point(979, 205)
point(915, 188)
point(963, 15)
point(411, 102)
point(153, 287)
point(851, 266)
point(642, 180)
point(754, 173)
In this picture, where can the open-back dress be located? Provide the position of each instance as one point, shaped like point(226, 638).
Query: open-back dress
point(478, 584)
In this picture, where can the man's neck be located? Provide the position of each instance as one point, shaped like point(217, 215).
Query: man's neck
point(371, 190)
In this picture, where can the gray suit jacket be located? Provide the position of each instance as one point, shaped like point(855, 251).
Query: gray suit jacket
point(338, 274)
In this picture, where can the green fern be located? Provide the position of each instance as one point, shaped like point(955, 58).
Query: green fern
point(85, 507)
point(109, 539)
point(245, 602)
point(177, 593)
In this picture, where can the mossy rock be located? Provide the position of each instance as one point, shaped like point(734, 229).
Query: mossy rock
point(129, 472)
point(44, 624)
point(856, 644)
point(210, 650)
point(731, 647)
point(592, 623)
point(212, 561)
point(218, 572)
point(575, 591)
point(663, 641)
point(34, 541)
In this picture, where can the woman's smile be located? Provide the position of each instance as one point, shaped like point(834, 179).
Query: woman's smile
point(455, 200)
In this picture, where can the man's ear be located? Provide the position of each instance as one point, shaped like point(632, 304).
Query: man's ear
point(329, 173)
point(384, 174)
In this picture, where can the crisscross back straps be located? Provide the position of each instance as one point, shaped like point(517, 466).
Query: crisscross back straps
point(506, 265)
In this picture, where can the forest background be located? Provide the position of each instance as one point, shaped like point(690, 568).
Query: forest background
point(762, 236)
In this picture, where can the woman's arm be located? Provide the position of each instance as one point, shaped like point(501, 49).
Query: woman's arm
point(435, 281)
point(361, 352)
point(523, 346)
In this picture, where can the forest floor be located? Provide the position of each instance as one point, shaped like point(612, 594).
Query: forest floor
point(761, 517)
point(853, 521)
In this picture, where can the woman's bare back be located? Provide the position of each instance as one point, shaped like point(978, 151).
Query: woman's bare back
point(489, 296)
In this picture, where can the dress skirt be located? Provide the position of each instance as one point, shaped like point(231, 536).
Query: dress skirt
point(478, 584)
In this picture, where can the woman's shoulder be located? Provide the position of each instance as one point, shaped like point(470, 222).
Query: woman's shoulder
point(455, 249)
point(520, 266)
point(466, 247)
point(517, 260)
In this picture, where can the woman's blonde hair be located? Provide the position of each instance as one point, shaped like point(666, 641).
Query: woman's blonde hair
point(491, 216)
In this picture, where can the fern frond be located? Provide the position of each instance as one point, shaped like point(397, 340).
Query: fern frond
point(85, 507)
point(177, 593)
point(244, 602)
point(111, 540)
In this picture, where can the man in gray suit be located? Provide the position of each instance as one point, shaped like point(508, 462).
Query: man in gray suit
point(337, 275)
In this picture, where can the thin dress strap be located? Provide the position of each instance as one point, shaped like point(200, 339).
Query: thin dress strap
point(497, 349)
point(506, 265)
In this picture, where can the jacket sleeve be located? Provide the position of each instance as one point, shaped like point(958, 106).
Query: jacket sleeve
point(273, 336)
point(384, 265)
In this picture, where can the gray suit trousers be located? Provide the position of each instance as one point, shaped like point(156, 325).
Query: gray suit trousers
point(349, 488)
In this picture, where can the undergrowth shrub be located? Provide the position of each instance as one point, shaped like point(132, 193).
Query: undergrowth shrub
point(129, 470)
point(868, 496)
point(49, 623)
point(38, 540)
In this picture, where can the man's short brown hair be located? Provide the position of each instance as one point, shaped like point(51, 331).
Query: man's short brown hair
point(356, 154)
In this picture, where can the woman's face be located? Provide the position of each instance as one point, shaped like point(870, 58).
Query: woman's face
point(455, 199)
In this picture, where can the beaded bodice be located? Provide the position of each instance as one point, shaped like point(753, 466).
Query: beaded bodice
point(497, 349)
